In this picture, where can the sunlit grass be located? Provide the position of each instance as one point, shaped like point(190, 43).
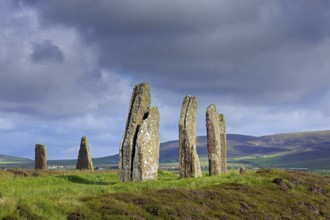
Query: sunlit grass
point(55, 195)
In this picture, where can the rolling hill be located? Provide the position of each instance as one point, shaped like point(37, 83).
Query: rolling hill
point(290, 150)
point(11, 161)
point(309, 150)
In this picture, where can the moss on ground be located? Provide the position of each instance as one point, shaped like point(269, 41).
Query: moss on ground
point(282, 195)
point(261, 194)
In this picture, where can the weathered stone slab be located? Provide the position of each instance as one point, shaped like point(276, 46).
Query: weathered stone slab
point(40, 157)
point(84, 158)
point(213, 140)
point(189, 162)
point(138, 110)
point(223, 141)
point(146, 158)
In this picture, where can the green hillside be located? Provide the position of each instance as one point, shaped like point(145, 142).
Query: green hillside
point(309, 150)
point(261, 194)
point(101, 161)
point(11, 161)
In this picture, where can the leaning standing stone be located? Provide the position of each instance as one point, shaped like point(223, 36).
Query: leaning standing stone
point(222, 126)
point(138, 110)
point(40, 157)
point(84, 157)
point(189, 162)
point(146, 158)
point(213, 140)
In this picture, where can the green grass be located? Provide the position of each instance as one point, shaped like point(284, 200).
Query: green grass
point(258, 160)
point(99, 195)
point(13, 162)
point(10, 160)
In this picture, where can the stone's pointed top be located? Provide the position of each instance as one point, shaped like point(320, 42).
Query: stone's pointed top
point(189, 108)
point(84, 141)
point(189, 97)
point(40, 146)
point(188, 101)
point(142, 86)
point(154, 110)
point(211, 108)
point(222, 117)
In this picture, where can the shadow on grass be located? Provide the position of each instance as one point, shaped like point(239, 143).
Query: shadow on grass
point(81, 180)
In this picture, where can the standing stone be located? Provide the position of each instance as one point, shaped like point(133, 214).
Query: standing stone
point(146, 158)
point(223, 141)
point(84, 157)
point(40, 157)
point(213, 140)
point(138, 111)
point(189, 162)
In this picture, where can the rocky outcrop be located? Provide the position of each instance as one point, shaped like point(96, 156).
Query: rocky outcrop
point(223, 141)
point(189, 162)
point(146, 158)
point(84, 157)
point(136, 145)
point(40, 157)
point(213, 140)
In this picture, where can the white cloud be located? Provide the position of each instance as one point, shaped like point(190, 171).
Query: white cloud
point(6, 124)
point(264, 64)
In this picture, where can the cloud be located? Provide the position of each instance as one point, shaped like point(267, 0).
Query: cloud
point(6, 124)
point(68, 67)
point(46, 51)
point(67, 82)
point(265, 50)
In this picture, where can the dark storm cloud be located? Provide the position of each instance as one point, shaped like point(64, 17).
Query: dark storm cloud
point(48, 73)
point(261, 49)
point(263, 63)
point(46, 51)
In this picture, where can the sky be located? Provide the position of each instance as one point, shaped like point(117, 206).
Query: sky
point(68, 68)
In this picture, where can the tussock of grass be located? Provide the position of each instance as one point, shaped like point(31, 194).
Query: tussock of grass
point(99, 195)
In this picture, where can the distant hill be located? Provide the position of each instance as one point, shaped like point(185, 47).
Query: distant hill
point(11, 161)
point(290, 150)
point(101, 161)
point(5, 159)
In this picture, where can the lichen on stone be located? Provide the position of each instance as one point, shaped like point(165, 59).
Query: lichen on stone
point(40, 157)
point(188, 157)
point(141, 135)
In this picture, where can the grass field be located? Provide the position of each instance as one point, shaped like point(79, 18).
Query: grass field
point(99, 195)
point(258, 161)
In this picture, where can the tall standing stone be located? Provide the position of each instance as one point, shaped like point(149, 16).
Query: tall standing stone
point(136, 145)
point(40, 157)
point(213, 140)
point(223, 137)
point(189, 162)
point(84, 158)
point(146, 158)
